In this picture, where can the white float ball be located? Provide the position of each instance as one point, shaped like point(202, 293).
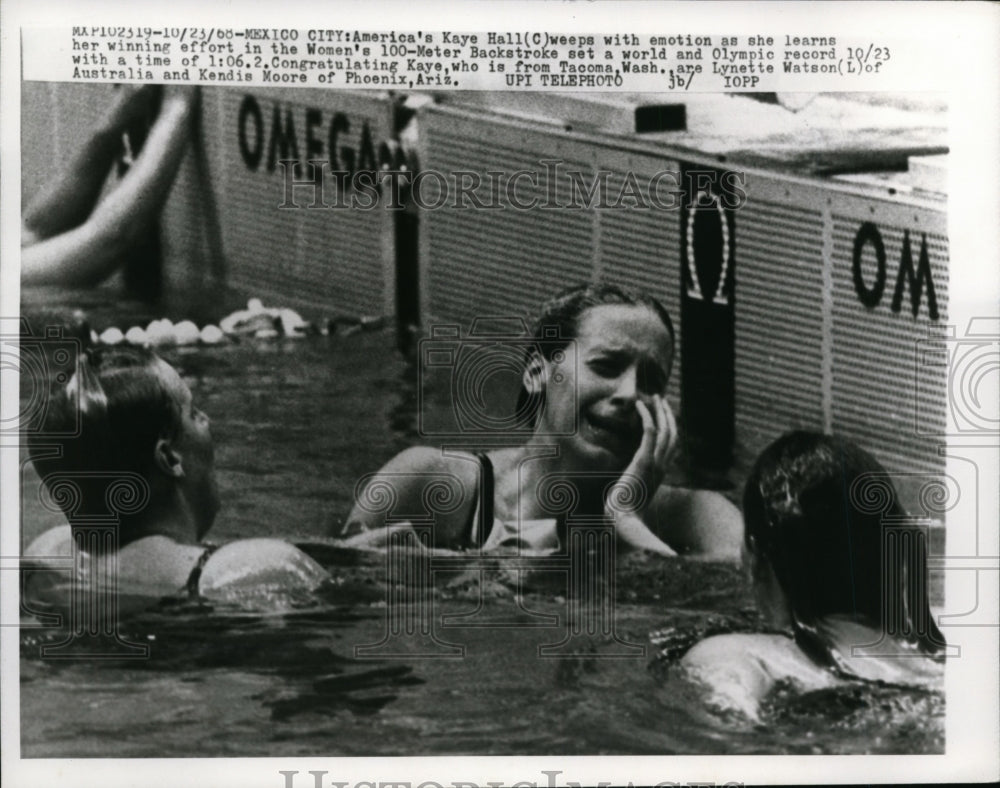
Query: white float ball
point(212, 335)
point(160, 332)
point(186, 333)
point(111, 336)
point(135, 336)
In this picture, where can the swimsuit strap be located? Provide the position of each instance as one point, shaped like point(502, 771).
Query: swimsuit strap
point(476, 536)
point(192, 582)
point(486, 500)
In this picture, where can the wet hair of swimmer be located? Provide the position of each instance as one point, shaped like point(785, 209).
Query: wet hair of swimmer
point(804, 518)
point(558, 324)
point(104, 422)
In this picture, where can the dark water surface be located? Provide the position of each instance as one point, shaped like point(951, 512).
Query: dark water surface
point(296, 423)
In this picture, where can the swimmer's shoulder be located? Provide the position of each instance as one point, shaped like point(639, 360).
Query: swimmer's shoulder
point(54, 543)
point(739, 669)
point(147, 570)
point(697, 523)
point(428, 459)
point(152, 563)
point(414, 479)
point(753, 646)
point(258, 565)
point(739, 656)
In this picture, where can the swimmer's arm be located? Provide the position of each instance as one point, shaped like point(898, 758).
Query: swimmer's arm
point(376, 538)
point(634, 532)
point(89, 253)
point(398, 490)
point(696, 523)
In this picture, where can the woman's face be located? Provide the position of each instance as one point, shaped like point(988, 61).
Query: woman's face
point(621, 354)
point(197, 451)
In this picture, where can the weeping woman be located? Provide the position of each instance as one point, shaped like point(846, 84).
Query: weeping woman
point(602, 425)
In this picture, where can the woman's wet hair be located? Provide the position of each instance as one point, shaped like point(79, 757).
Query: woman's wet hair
point(804, 515)
point(107, 419)
point(558, 323)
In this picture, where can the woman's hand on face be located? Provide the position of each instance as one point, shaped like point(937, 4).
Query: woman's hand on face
point(659, 437)
point(628, 500)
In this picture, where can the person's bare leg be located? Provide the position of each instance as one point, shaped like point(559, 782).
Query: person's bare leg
point(89, 253)
point(67, 199)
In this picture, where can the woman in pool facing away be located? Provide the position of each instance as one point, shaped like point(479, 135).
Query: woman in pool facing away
point(814, 554)
point(601, 416)
point(136, 416)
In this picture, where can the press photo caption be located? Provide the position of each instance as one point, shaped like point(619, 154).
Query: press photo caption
point(444, 60)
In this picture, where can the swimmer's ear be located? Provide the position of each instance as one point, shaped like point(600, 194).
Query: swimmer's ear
point(533, 377)
point(167, 459)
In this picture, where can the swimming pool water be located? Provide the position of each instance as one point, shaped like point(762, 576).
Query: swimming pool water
point(296, 423)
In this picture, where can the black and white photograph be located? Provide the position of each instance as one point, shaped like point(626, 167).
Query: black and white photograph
point(485, 392)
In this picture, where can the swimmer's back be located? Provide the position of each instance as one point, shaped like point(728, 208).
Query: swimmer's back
point(234, 572)
point(739, 669)
point(258, 567)
point(157, 567)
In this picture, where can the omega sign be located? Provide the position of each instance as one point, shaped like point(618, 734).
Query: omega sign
point(707, 249)
point(868, 240)
point(308, 134)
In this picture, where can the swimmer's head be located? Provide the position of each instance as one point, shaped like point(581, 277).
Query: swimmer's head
point(825, 549)
point(135, 416)
point(559, 322)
